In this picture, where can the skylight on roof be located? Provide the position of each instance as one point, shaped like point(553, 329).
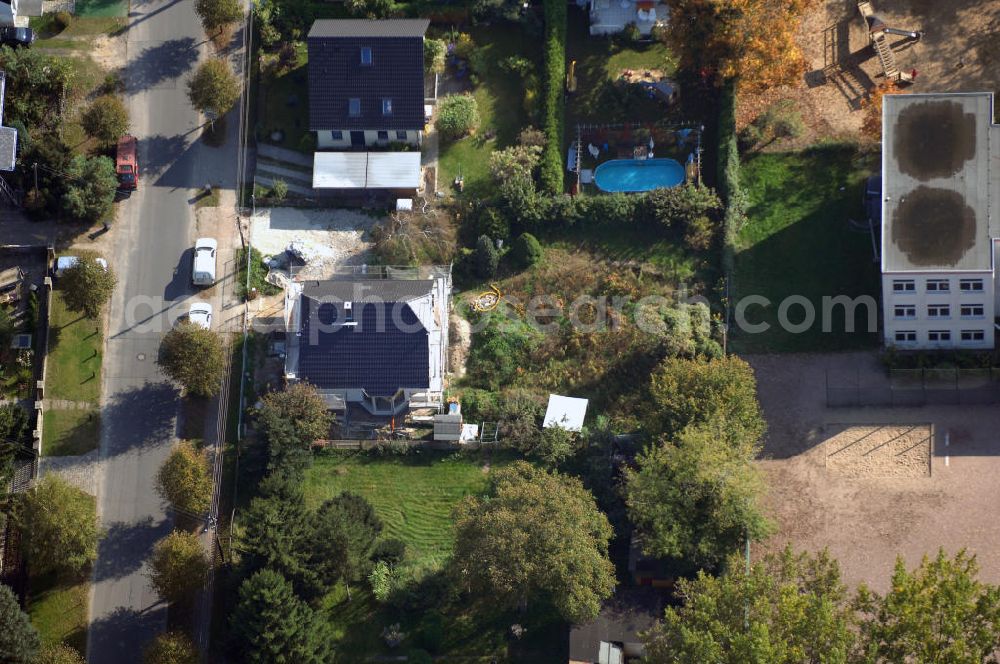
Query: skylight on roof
point(366, 55)
point(354, 107)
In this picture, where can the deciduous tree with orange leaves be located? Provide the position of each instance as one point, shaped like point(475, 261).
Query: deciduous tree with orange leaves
point(872, 105)
point(751, 41)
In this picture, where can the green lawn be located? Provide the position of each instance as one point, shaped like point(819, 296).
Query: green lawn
point(500, 97)
point(58, 610)
point(414, 496)
point(599, 62)
point(75, 354)
point(76, 35)
point(70, 432)
point(284, 105)
point(798, 241)
point(101, 8)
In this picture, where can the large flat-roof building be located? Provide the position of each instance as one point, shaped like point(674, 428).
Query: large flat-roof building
point(940, 222)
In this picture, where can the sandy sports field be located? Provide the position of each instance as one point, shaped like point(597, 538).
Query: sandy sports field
point(871, 484)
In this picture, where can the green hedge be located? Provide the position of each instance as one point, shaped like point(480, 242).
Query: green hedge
point(551, 173)
point(728, 169)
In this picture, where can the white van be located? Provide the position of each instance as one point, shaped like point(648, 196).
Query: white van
point(203, 267)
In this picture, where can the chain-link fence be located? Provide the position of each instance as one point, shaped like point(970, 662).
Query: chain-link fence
point(912, 388)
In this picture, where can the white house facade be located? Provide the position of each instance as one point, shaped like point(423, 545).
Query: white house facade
point(940, 192)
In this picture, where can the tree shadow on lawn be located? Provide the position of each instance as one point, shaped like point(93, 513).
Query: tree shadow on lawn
point(798, 242)
point(43, 587)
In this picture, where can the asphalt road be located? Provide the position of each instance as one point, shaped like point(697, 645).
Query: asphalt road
point(153, 259)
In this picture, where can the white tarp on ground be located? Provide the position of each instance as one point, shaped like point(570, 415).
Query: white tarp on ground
point(565, 412)
point(366, 170)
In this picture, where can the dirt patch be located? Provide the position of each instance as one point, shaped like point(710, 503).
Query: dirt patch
point(461, 341)
point(328, 238)
point(109, 51)
point(959, 52)
point(864, 520)
point(879, 450)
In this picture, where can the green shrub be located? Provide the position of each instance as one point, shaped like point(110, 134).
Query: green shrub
point(699, 233)
point(258, 272)
point(526, 250)
point(369, 8)
point(391, 551)
point(418, 656)
point(500, 349)
point(490, 221)
point(431, 633)
point(631, 33)
point(487, 258)
point(63, 20)
point(728, 167)
point(279, 190)
point(435, 51)
point(457, 116)
point(555, 70)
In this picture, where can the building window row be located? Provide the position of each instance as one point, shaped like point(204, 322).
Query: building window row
point(910, 336)
point(937, 285)
point(903, 311)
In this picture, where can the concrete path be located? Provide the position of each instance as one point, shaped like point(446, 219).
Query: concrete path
point(284, 154)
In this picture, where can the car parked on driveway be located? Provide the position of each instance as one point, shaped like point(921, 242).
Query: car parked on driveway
point(11, 36)
point(203, 266)
point(200, 314)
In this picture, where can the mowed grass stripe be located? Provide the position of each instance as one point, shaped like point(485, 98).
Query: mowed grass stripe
point(414, 496)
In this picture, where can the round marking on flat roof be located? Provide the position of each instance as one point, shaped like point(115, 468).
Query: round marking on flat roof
point(934, 227)
point(934, 139)
point(141, 357)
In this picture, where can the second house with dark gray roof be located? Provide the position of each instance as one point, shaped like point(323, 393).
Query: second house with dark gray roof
point(377, 343)
point(366, 82)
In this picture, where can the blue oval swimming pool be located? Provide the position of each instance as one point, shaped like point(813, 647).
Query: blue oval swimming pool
point(634, 175)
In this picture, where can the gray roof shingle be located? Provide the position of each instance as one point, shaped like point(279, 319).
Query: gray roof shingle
point(362, 27)
point(337, 75)
point(372, 290)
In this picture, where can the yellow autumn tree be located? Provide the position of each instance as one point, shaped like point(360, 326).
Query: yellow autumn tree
point(751, 41)
point(871, 126)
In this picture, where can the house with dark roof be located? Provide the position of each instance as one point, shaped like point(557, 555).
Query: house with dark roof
point(377, 343)
point(366, 82)
point(613, 636)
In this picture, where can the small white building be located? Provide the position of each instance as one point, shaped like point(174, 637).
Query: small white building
point(940, 220)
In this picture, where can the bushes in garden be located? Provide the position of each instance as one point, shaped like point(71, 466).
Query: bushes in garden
point(487, 258)
point(457, 116)
point(732, 195)
point(555, 70)
point(526, 250)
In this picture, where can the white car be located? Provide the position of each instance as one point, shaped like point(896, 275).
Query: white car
point(200, 314)
point(203, 267)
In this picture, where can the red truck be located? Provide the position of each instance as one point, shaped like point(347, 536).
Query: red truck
point(126, 163)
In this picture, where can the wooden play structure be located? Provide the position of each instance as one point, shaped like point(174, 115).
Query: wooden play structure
point(877, 31)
